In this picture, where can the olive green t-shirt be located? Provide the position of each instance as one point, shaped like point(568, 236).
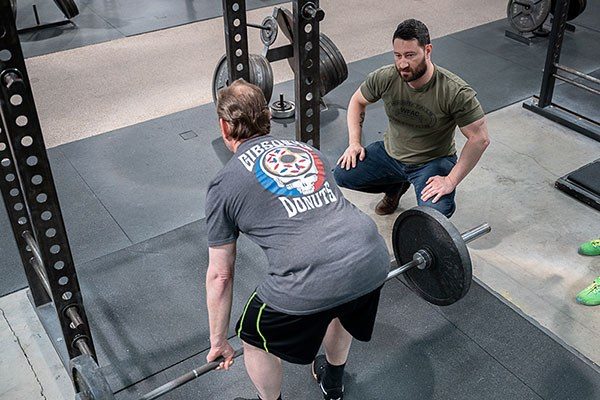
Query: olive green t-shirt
point(422, 121)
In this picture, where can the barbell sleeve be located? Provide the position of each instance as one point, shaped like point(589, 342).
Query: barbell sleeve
point(476, 233)
point(420, 261)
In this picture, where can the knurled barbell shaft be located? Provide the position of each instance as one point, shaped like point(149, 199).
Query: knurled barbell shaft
point(183, 379)
point(468, 236)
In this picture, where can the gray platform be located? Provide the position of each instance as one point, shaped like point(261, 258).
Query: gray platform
point(91, 229)
point(147, 333)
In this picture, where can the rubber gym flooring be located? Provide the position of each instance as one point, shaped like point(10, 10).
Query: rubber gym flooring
point(100, 21)
point(478, 348)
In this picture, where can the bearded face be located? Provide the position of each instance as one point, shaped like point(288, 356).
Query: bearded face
point(410, 59)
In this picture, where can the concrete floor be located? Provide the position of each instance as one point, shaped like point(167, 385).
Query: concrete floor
point(530, 259)
point(95, 89)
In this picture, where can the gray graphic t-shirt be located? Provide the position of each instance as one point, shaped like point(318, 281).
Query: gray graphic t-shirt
point(322, 250)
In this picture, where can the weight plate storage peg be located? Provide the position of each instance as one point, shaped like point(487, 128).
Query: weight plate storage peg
point(261, 75)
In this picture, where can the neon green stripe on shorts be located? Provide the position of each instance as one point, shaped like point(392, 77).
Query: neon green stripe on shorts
point(258, 327)
point(244, 314)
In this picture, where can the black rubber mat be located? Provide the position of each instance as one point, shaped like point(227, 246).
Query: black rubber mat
point(146, 303)
point(88, 28)
point(588, 177)
point(100, 21)
point(151, 177)
point(578, 100)
point(476, 349)
point(590, 18)
point(579, 48)
point(92, 231)
point(132, 17)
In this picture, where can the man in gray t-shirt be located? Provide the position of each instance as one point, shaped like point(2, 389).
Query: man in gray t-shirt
point(326, 260)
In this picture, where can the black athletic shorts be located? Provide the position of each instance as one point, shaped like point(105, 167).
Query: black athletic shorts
point(297, 338)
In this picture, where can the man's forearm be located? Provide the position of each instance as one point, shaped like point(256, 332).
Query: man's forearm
point(470, 155)
point(356, 118)
point(219, 292)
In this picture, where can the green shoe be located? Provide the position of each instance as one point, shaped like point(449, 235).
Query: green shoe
point(590, 296)
point(591, 248)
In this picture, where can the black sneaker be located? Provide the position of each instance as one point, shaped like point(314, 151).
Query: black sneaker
point(319, 368)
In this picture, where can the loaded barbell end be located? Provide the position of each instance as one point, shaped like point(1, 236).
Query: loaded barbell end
point(422, 259)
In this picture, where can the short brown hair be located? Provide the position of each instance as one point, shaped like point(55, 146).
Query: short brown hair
point(412, 29)
point(244, 107)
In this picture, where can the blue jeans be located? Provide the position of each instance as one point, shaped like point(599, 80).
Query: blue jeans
point(380, 173)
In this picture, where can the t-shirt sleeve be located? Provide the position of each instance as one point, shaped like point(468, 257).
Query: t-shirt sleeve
point(220, 225)
point(373, 87)
point(465, 108)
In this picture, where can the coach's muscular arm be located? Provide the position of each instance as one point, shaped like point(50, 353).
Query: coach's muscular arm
point(477, 141)
point(356, 116)
point(219, 292)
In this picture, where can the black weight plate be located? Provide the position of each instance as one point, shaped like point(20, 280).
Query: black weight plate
point(13, 4)
point(448, 278)
point(339, 62)
point(332, 67)
point(89, 382)
point(328, 71)
point(528, 15)
point(341, 66)
point(261, 74)
point(576, 7)
point(68, 8)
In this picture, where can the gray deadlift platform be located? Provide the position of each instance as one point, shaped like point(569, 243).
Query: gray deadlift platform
point(146, 306)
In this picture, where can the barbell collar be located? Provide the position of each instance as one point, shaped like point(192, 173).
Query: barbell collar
point(422, 259)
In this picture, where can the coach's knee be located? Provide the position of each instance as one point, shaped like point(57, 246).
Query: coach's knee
point(343, 177)
point(446, 205)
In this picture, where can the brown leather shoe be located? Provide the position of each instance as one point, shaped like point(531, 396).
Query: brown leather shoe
point(389, 204)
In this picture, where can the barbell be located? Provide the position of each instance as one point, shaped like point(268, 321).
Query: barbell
point(433, 259)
